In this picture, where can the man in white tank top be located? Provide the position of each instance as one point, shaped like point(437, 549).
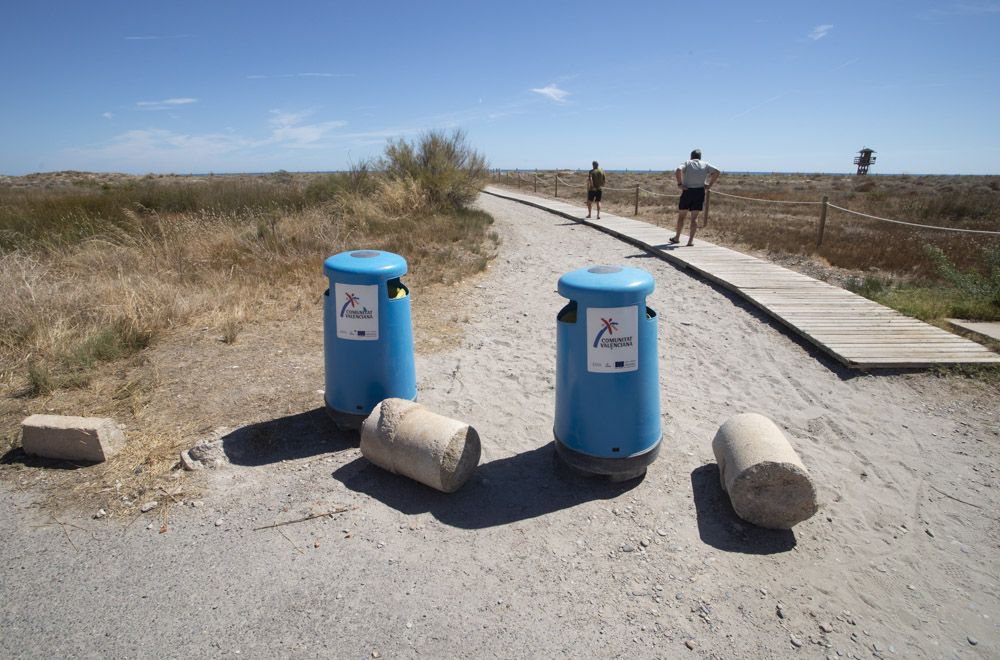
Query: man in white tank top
point(694, 177)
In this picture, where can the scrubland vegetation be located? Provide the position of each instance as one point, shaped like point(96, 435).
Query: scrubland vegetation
point(95, 268)
point(930, 274)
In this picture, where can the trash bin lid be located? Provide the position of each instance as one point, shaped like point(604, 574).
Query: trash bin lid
point(606, 284)
point(377, 264)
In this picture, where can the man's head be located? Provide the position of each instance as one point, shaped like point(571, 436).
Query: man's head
point(696, 154)
point(595, 164)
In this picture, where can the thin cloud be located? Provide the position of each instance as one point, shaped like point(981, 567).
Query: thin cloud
point(845, 64)
point(165, 104)
point(962, 9)
point(760, 105)
point(552, 92)
point(819, 32)
point(107, 115)
point(266, 76)
point(159, 37)
point(289, 130)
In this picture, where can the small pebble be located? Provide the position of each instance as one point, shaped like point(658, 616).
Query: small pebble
point(628, 547)
point(100, 513)
point(796, 642)
point(644, 543)
point(826, 627)
point(148, 506)
point(973, 641)
point(149, 526)
point(197, 503)
point(690, 644)
point(661, 532)
point(218, 523)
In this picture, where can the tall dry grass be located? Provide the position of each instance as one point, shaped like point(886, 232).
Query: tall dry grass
point(96, 276)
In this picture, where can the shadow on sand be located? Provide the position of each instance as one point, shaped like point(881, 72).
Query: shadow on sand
point(720, 527)
point(528, 485)
point(286, 438)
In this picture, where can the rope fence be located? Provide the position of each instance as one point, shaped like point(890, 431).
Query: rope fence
point(914, 224)
point(824, 204)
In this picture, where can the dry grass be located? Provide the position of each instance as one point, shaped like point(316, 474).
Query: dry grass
point(854, 248)
point(88, 291)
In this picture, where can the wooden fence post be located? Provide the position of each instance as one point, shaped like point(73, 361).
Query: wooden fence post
point(536, 181)
point(636, 199)
point(518, 180)
point(557, 186)
point(822, 221)
point(708, 199)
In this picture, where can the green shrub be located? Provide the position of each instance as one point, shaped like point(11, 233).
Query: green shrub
point(450, 171)
point(971, 283)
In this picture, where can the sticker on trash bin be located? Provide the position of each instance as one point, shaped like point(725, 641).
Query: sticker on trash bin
point(357, 311)
point(612, 339)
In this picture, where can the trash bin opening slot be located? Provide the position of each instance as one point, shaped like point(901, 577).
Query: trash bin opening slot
point(568, 313)
point(396, 289)
point(650, 313)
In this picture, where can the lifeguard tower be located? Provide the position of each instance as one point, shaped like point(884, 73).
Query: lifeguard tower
point(865, 159)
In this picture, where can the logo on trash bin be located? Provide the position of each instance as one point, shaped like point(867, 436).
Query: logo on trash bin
point(353, 313)
point(609, 326)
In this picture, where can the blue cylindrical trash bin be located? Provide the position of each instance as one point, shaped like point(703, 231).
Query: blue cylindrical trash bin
point(607, 373)
point(367, 334)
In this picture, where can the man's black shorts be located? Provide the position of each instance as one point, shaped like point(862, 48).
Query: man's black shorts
point(594, 195)
point(692, 199)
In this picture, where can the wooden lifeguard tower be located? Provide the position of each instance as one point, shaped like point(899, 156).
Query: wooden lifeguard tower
point(864, 160)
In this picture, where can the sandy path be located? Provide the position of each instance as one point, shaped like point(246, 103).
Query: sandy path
point(527, 560)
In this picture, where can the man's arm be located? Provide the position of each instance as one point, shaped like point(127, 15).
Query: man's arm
point(712, 178)
point(680, 177)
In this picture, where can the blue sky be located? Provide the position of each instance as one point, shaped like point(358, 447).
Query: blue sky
point(215, 86)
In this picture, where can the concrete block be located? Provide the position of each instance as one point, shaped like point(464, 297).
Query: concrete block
point(90, 439)
point(766, 481)
point(405, 438)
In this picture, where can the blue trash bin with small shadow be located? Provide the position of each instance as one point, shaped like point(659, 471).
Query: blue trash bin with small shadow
point(367, 334)
point(607, 418)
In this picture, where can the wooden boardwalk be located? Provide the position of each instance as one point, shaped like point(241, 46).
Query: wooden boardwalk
point(857, 332)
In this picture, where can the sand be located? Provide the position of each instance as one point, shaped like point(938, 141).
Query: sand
point(527, 560)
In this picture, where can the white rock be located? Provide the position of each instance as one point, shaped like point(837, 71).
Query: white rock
point(90, 439)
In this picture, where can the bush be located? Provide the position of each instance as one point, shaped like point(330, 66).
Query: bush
point(971, 283)
point(449, 171)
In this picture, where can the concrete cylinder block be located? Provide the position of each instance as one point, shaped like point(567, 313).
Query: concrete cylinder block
point(766, 481)
point(405, 438)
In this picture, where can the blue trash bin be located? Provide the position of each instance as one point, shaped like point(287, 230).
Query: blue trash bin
point(607, 373)
point(367, 334)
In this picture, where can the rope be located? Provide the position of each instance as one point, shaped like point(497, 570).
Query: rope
point(571, 185)
point(914, 224)
point(757, 199)
point(657, 194)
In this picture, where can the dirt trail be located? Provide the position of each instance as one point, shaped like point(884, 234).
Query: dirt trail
point(527, 560)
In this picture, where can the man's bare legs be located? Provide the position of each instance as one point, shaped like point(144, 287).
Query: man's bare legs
point(598, 209)
point(589, 205)
point(681, 216)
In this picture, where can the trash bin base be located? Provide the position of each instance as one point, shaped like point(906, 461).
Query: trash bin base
point(615, 469)
point(345, 421)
